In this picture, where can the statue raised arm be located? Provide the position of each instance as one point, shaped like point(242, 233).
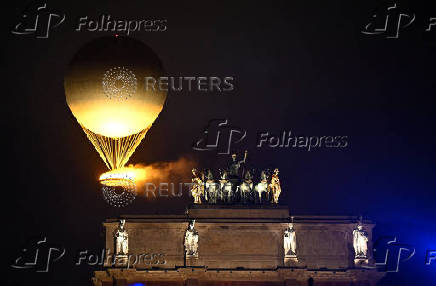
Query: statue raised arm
point(236, 165)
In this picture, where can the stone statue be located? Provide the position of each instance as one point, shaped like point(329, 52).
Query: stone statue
point(211, 188)
point(225, 188)
point(191, 240)
point(290, 241)
point(121, 240)
point(246, 187)
point(197, 188)
point(236, 165)
point(360, 242)
point(274, 186)
point(235, 185)
point(261, 188)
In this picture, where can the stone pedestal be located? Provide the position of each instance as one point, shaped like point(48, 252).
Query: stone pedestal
point(192, 260)
point(291, 261)
point(361, 262)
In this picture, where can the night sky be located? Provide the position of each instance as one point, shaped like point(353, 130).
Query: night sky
point(299, 66)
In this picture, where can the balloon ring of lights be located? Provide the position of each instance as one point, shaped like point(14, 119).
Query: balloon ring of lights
point(118, 192)
point(119, 82)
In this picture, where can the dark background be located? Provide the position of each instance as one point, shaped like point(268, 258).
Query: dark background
point(302, 66)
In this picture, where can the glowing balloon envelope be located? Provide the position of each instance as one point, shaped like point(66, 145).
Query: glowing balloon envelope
point(105, 90)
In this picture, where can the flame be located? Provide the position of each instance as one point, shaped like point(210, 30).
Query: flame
point(154, 173)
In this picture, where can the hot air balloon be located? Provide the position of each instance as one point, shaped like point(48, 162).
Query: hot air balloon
point(105, 90)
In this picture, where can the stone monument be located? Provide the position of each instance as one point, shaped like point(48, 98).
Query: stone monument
point(236, 233)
